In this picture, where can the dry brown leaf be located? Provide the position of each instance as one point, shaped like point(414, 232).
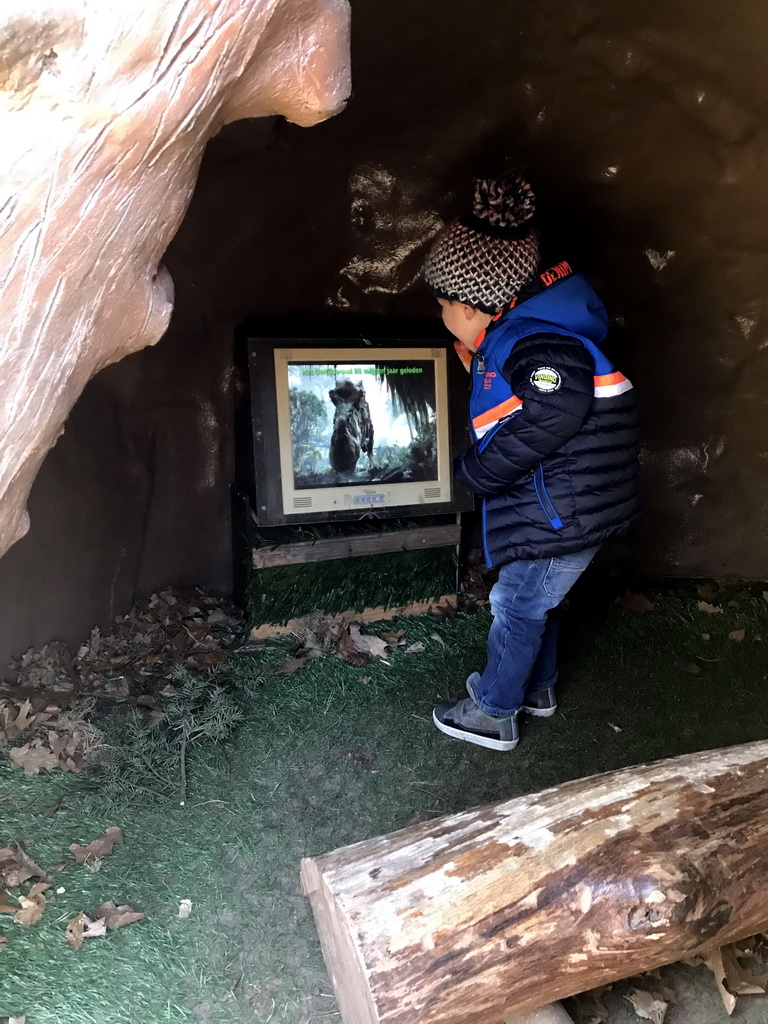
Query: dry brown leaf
point(75, 931)
point(99, 848)
point(57, 742)
point(592, 1006)
point(289, 666)
point(715, 963)
point(737, 635)
point(24, 717)
point(3, 942)
point(32, 905)
point(394, 639)
point(18, 1020)
point(636, 602)
point(34, 757)
point(16, 867)
point(346, 650)
point(95, 929)
point(416, 648)
point(689, 666)
point(740, 981)
point(54, 808)
point(616, 728)
point(81, 927)
point(115, 917)
point(647, 1006)
point(365, 644)
point(710, 609)
point(211, 658)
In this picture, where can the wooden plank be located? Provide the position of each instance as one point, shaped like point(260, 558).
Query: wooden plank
point(476, 917)
point(356, 546)
point(438, 605)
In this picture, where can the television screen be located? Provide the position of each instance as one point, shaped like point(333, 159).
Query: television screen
point(362, 422)
point(354, 431)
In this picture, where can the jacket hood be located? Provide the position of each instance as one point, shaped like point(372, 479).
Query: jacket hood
point(571, 304)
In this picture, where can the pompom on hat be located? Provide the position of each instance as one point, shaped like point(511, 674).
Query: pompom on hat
point(486, 258)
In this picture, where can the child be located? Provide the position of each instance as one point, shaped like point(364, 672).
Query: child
point(555, 456)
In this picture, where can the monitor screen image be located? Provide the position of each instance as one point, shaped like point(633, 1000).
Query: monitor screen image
point(362, 422)
point(343, 432)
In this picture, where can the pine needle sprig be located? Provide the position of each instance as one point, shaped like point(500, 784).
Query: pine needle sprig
point(146, 753)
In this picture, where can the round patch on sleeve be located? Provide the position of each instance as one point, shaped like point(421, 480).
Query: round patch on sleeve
point(546, 379)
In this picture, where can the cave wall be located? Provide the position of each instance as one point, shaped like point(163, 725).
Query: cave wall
point(645, 132)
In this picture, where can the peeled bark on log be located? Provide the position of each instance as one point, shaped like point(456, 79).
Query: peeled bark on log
point(106, 109)
point(472, 918)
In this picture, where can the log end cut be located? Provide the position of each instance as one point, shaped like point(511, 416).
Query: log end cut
point(340, 952)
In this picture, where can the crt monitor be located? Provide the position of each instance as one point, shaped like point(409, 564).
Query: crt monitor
point(343, 430)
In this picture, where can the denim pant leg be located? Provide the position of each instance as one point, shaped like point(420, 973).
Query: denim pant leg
point(520, 603)
point(544, 672)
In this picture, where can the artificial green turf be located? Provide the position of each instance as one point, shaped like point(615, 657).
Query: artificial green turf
point(328, 756)
point(388, 580)
point(379, 581)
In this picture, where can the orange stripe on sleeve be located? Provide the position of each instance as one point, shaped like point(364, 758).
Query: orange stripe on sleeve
point(498, 412)
point(609, 378)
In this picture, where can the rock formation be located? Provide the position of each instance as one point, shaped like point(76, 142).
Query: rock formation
point(106, 110)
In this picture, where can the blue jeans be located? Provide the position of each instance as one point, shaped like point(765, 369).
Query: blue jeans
point(522, 642)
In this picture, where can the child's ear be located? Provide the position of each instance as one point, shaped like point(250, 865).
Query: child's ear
point(468, 311)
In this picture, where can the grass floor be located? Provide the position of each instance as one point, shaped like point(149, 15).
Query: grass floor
point(331, 755)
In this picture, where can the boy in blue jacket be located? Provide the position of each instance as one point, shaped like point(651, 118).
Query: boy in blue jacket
point(555, 456)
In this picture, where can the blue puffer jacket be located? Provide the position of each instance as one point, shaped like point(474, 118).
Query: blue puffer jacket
point(556, 427)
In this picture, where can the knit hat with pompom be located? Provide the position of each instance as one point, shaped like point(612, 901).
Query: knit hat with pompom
point(487, 257)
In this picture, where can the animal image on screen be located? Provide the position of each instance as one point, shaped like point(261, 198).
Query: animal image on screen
point(356, 431)
point(364, 422)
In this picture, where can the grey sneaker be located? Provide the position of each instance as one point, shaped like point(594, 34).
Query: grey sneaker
point(465, 721)
point(541, 704)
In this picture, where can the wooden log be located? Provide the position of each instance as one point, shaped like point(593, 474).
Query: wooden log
point(472, 918)
point(356, 546)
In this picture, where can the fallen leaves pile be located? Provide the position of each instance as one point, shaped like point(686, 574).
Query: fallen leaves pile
point(175, 627)
point(131, 662)
point(18, 870)
point(731, 966)
point(59, 738)
point(322, 637)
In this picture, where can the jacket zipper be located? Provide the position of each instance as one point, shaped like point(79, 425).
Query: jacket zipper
point(486, 439)
point(479, 367)
point(488, 560)
point(541, 493)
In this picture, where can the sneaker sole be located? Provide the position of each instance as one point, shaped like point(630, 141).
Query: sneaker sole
point(539, 712)
point(503, 746)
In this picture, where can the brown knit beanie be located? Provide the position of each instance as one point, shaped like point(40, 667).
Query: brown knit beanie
point(486, 258)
